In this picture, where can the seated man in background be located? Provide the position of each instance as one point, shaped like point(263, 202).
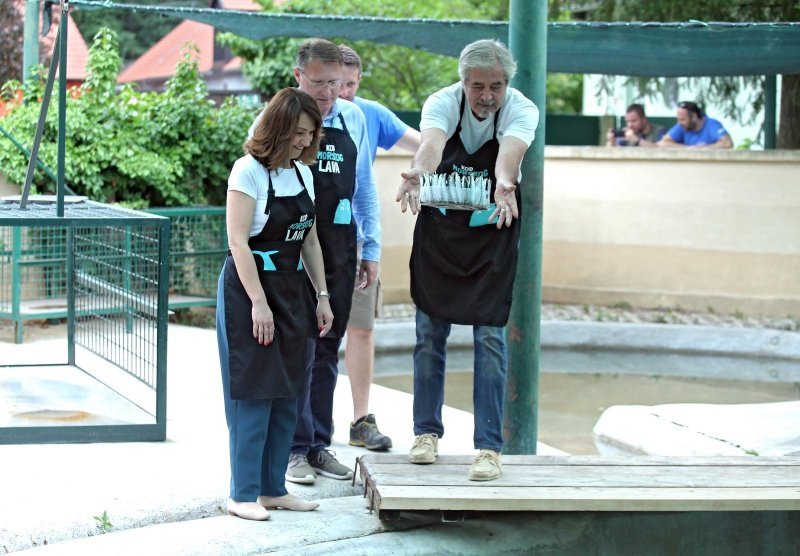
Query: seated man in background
point(695, 129)
point(638, 132)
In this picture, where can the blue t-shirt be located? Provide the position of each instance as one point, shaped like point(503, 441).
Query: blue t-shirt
point(384, 128)
point(711, 132)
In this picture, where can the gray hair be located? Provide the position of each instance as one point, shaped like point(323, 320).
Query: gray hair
point(319, 50)
point(486, 54)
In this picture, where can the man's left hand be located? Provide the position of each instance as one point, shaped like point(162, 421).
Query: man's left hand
point(367, 274)
point(506, 203)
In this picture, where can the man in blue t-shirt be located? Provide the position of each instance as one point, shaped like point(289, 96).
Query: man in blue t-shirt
point(695, 129)
point(385, 130)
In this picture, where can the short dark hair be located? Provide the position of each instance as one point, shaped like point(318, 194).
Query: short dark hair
point(319, 50)
point(272, 135)
point(636, 107)
point(350, 57)
point(691, 107)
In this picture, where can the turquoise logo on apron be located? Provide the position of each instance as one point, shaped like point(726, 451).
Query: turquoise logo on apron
point(268, 264)
point(481, 217)
point(343, 213)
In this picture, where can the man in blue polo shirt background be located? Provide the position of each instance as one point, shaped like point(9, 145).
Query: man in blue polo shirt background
point(696, 129)
point(385, 130)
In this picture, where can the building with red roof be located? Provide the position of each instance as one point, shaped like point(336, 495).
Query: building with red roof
point(221, 70)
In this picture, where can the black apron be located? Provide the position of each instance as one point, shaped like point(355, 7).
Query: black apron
point(334, 185)
point(279, 369)
point(462, 266)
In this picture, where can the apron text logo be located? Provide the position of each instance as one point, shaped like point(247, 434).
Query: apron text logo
point(297, 231)
point(329, 160)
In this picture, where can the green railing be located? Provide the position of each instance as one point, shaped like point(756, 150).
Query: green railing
point(197, 249)
point(33, 270)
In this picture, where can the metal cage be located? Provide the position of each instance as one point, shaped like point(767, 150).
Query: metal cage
point(109, 268)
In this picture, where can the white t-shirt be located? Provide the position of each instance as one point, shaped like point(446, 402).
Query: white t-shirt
point(250, 177)
point(518, 118)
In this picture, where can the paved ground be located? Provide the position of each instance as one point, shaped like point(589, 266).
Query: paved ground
point(52, 493)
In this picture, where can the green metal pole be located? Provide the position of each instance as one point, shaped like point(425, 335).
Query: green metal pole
point(770, 109)
point(528, 44)
point(62, 106)
point(30, 52)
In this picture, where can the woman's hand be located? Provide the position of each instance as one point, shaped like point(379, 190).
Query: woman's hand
point(263, 323)
point(324, 315)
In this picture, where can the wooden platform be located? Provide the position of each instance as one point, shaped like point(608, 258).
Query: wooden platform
point(584, 483)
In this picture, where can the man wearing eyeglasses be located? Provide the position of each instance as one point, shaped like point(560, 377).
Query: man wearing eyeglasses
point(346, 203)
point(696, 129)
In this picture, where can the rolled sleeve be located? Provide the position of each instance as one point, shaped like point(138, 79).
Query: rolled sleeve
point(366, 208)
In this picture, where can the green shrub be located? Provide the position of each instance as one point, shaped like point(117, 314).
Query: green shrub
point(141, 149)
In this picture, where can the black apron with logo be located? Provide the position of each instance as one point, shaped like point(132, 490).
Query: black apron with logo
point(334, 185)
point(462, 266)
point(279, 369)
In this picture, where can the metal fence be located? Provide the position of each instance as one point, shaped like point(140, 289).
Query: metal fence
point(197, 249)
point(33, 270)
point(105, 270)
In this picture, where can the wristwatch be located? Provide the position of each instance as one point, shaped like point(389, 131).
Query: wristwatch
point(323, 293)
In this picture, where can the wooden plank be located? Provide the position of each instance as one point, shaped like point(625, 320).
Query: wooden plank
point(714, 461)
point(610, 476)
point(446, 498)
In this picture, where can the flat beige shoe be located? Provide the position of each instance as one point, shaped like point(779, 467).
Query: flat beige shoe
point(248, 510)
point(287, 502)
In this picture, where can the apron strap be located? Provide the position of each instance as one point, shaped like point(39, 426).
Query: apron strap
point(271, 190)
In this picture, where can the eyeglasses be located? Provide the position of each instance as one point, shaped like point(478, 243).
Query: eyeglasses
point(332, 84)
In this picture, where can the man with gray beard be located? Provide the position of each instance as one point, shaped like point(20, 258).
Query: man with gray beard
point(463, 262)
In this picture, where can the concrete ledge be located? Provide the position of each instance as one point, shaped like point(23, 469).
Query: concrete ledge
point(689, 339)
point(767, 429)
point(344, 526)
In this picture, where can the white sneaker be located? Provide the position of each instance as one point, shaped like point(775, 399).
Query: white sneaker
point(425, 449)
point(486, 466)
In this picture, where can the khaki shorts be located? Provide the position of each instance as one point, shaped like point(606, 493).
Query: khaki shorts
point(366, 305)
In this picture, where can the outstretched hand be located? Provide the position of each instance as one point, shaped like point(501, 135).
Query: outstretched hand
point(408, 192)
point(506, 203)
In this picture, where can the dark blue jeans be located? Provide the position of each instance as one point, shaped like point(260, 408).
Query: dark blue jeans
point(489, 384)
point(315, 404)
point(259, 431)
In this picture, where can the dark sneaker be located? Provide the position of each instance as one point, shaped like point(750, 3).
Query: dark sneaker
point(325, 464)
point(299, 471)
point(364, 432)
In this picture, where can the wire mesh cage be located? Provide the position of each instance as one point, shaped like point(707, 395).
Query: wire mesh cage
point(197, 250)
point(109, 268)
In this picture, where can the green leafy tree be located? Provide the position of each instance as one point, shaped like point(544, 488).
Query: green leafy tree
point(143, 149)
point(11, 23)
point(722, 90)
